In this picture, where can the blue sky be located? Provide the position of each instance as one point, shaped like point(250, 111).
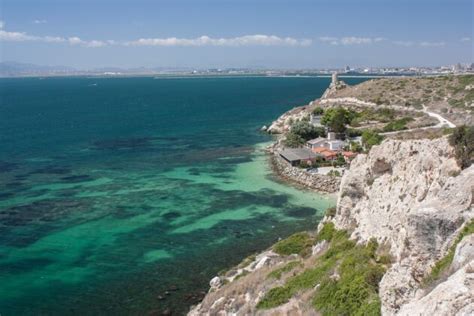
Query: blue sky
point(231, 33)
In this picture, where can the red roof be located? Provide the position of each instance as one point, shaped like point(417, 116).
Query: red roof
point(328, 153)
point(320, 149)
point(349, 154)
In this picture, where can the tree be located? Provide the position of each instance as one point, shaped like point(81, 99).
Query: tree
point(462, 139)
point(355, 147)
point(340, 161)
point(306, 131)
point(371, 138)
point(337, 118)
point(318, 111)
point(293, 140)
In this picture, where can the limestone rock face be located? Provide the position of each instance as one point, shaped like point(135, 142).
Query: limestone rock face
point(413, 198)
point(464, 253)
point(455, 296)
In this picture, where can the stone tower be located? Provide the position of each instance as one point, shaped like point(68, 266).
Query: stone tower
point(334, 79)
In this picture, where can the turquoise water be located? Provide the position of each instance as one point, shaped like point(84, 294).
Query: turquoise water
point(125, 196)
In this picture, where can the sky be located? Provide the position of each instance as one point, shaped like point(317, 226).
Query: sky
point(90, 34)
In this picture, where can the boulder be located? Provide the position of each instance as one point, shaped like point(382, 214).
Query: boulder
point(215, 282)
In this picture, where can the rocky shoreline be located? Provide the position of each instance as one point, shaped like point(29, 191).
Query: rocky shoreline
point(318, 182)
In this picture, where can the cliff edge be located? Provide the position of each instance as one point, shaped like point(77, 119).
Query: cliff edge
point(414, 199)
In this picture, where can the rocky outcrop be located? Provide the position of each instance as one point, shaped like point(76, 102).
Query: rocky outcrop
point(283, 123)
point(238, 291)
point(454, 296)
point(334, 88)
point(464, 253)
point(413, 198)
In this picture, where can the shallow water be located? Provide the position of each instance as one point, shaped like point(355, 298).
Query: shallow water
point(125, 196)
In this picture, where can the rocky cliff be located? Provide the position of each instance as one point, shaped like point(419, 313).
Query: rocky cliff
point(410, 196)
point(414, 199)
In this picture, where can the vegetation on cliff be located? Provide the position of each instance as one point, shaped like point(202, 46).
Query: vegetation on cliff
point(299, 243)
point(371, 138)
point(346, 278)
point(462, 139)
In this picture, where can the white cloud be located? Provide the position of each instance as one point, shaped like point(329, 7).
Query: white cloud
point(75, 40)
point(419, 43)
point(247, 40)
point(404, 43)
point(39, 21)
point(432, 44)
point(15, 36)
point(7, 36)
point(465, 39)
point(355, 40)
point(350, 40)
point(329, 39)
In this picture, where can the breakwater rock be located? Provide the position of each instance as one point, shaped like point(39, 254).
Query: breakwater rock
point(314, 181)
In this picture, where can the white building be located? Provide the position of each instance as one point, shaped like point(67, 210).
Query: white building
point(330, 143)
point(317, 142)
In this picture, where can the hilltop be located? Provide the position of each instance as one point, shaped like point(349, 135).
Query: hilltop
point(452, 96)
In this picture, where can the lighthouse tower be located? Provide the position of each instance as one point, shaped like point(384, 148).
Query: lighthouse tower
point(334, 79)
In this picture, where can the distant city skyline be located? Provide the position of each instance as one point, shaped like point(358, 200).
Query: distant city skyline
point(241, 34)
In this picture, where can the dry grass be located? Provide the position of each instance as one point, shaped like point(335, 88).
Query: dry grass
point(447, 95)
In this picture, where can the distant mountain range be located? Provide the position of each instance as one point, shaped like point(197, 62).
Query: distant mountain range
point(13, 69)
point(17, 69)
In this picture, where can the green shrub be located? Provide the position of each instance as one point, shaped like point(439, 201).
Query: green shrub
point(462, 139)
point(465, 80)
point(326, 233)
point(384, 259)
point(318, 111)
point(397, 125)
point(353, 293)
point(371, 138)
point(334, 173)
point(351, 132)
point(299, 243)
point(355, 147)
point(307, 279)
point(276, 274)
point(306, 131)
point(293, 140)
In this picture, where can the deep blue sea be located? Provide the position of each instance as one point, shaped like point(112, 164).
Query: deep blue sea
point(124, 196)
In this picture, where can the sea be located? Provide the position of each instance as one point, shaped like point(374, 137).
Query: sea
point(125, 196)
